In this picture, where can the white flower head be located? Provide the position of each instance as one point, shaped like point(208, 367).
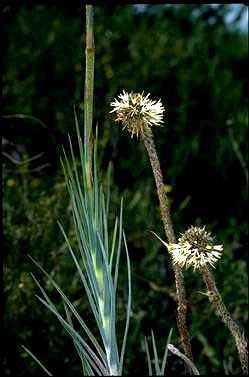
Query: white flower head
point(195, 248)
point(137, 112)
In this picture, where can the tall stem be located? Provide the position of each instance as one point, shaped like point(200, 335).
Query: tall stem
point(88, 94)
point(165, 214)
point(227, 319)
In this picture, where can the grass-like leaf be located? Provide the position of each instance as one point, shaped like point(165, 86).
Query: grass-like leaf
point(166, 353)
point(36, 360)
point(86, 368)
point(159, 371)
point(97, 261)
point(128, 312)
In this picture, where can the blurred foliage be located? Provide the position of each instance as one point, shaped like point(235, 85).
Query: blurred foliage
point(188, 56)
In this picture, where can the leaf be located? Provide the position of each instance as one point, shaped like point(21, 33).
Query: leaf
point(36, 360)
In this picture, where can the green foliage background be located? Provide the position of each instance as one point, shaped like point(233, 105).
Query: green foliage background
point(188, 56)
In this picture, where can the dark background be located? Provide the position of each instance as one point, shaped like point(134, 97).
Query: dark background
point(192, 58)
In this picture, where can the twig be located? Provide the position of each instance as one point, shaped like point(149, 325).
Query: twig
point(25, 116)
point(39, 168)
point(12, 159)
point(188, 362)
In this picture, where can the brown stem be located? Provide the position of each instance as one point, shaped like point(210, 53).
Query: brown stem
point(147, 138)
point(227, 319)
point(88, 94)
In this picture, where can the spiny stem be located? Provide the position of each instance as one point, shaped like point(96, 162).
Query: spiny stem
point(227, 319)
point(88, 94)
point(147, 138)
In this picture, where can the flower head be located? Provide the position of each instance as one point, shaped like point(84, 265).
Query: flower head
point(137, 112)
point(195, 248)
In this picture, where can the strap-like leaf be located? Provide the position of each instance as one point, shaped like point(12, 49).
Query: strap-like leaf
point(128, 311)
point(148, 356)
point(36, 360)
point(74, 311)
point(89, 353)
point(157, 367)
point(86, 368)
point(166, 353)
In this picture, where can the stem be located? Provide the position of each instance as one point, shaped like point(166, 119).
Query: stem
point(165, 214)
point(88, 95)
point(188, 362)
point(225, 316)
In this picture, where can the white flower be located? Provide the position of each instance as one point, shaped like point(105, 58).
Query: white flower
point(137, 112)
point(195, 248)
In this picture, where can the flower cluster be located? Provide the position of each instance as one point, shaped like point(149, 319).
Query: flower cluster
point(195, 248)
point(137, 112)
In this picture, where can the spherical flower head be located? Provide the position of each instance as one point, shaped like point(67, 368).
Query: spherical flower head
point(137, 112)
point(196, 249)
